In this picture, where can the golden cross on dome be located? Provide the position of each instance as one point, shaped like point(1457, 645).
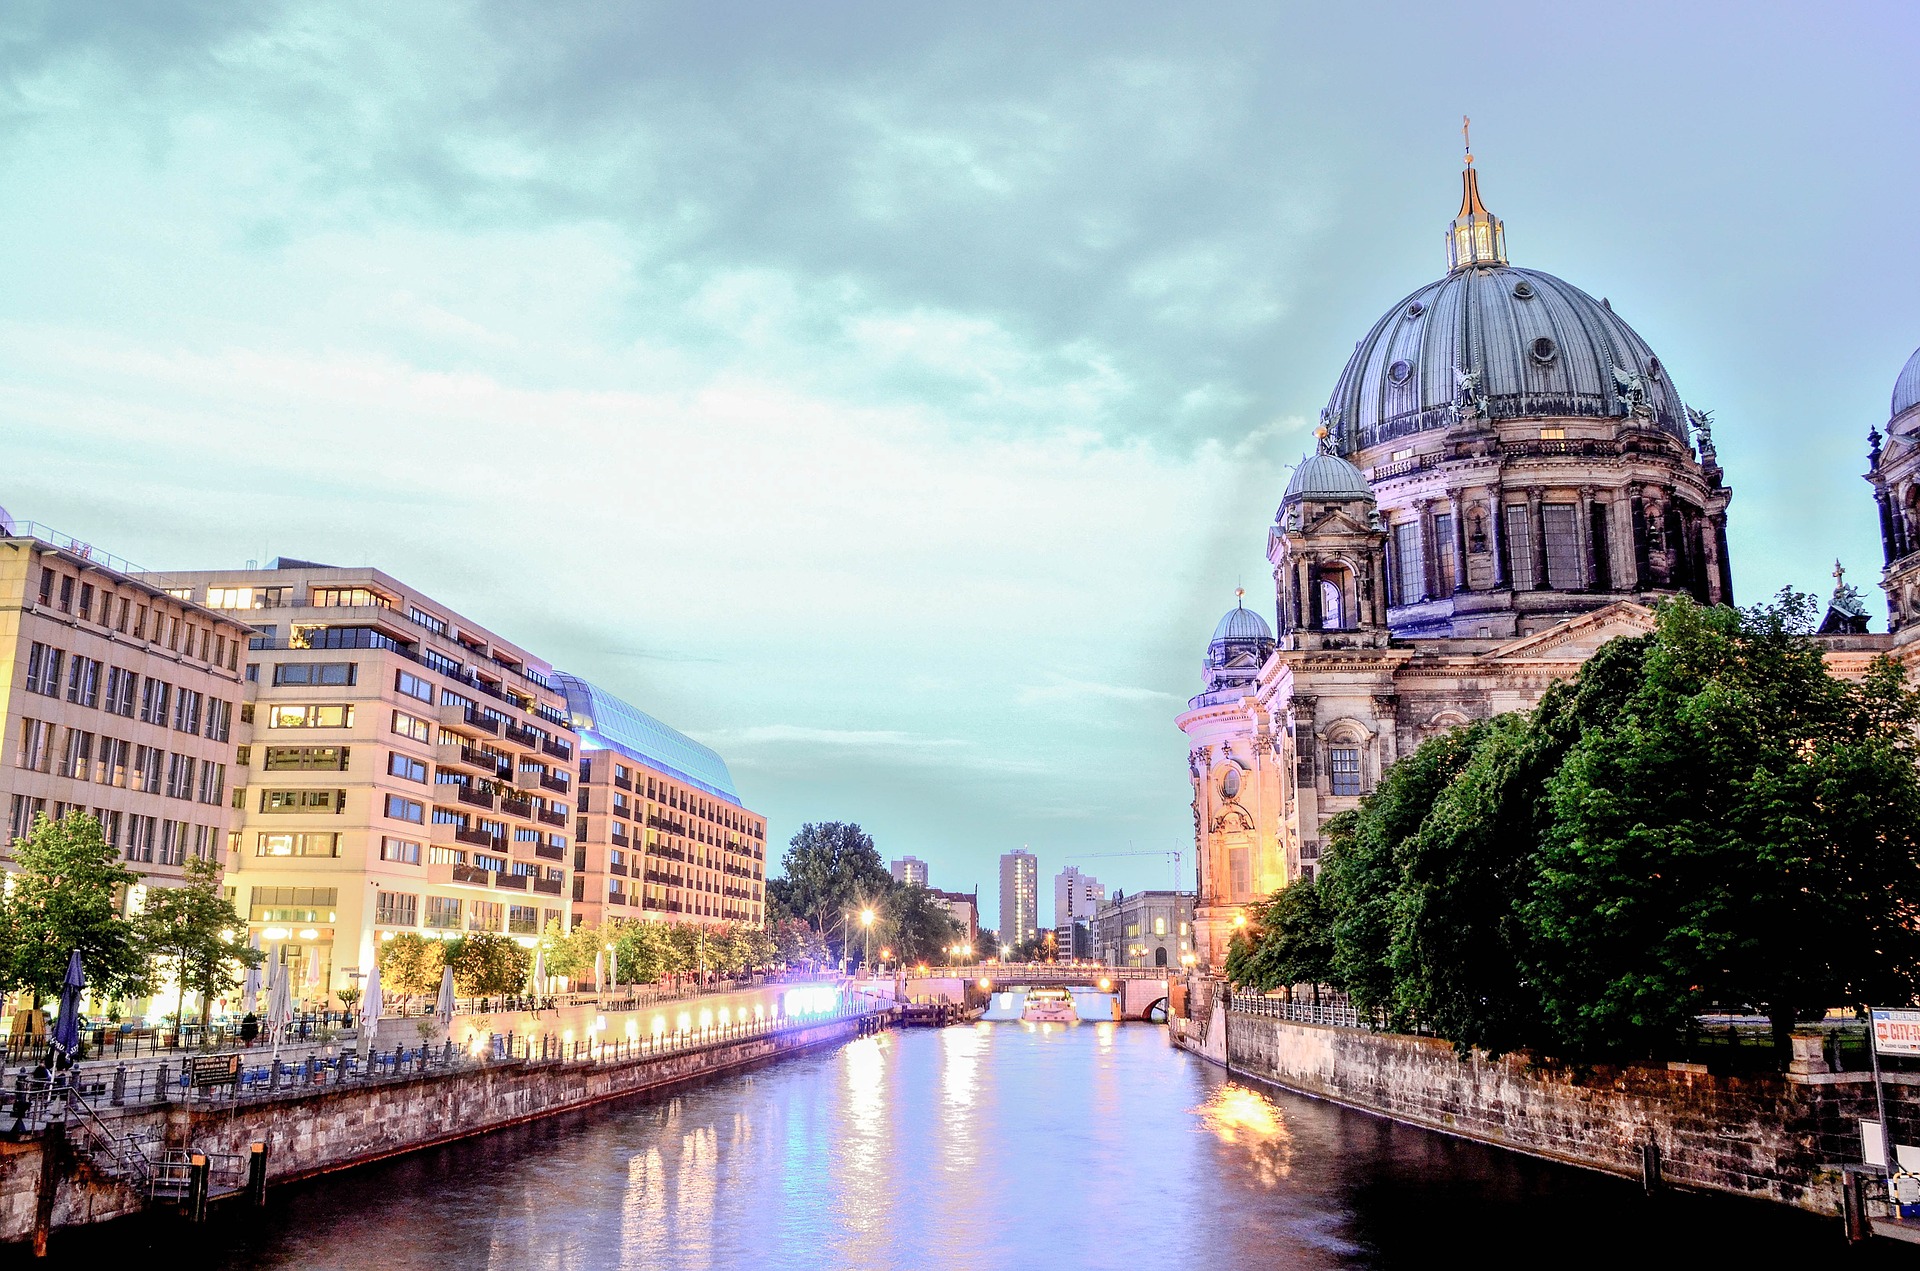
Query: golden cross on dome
point(1466, 139)
point(1839, 574)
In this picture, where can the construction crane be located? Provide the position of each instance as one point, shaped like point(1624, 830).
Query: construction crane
point(1173, 857)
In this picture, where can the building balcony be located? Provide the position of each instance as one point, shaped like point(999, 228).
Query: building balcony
point(619, 840)
point(550, 817)
point(522, 736)
point(555, 782)
point(454, 715)
point(522, 808)
point(474, 795)
point(558, 749)
point(617, 869)
point(616, 898)
point(623, 783)
point(464, 875)
point(547, 851)
point(514, 882)
point(548, 886)
point(476, 838)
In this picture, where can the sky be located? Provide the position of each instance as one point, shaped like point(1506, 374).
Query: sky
point(893, 395)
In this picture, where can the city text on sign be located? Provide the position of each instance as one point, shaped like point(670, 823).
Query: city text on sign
point(1896, 1032)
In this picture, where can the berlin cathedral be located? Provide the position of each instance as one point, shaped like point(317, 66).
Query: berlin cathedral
point(1505, 479)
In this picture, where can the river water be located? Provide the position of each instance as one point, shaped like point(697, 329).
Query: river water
point(994, 1146)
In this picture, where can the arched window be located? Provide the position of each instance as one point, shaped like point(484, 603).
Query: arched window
point(1160, 956)
point(1333, 612)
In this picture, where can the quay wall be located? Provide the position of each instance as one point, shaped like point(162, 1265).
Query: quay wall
point(314, 1130)
point(1778, 1137)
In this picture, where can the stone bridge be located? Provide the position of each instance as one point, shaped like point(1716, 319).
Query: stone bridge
point(1140, 989)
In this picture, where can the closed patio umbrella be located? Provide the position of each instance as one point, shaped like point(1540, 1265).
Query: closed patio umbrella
point(66, 1032)
point(613, 966)
point(539, 969)
point(279, 1002)
point(599, 972)
point(251, 988)
point(370, 1007)
point(443, 1008)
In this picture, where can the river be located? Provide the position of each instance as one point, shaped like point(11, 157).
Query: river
point(992, 1146)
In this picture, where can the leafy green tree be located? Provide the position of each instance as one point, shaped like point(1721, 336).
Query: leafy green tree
point(915, 926)
point(798, 945)
point(1288, 940)
point(487, 964)
point(643, 950)
point(1744, 830)
point(193, 928)
point(410, 965)
point(64, 894)
point(830, 871)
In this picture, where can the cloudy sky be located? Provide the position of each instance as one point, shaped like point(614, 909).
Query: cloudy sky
point(892, 395)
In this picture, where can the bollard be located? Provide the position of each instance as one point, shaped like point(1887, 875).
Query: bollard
point(257, 1175)
point(119, 1085)
point(199, 1173)
point(1650, 1167)
point(161, 1083)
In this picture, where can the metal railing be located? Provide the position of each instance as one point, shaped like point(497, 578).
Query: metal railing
point(1295, 1012)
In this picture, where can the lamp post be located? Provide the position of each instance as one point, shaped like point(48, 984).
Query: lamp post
point(866, 920)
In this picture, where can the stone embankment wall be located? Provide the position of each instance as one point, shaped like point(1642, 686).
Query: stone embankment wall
point(1781, 1137)
point(313, 1130)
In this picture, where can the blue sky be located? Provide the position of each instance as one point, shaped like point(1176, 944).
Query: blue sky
point(893, 395)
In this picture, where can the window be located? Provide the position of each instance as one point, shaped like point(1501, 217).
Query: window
point(186, 711)
point(395, 909)
point(412, 727)
point(83, 682)
point(1520, 547)
point(400, 809)
point(523, 920)
point(66, 594)
point(485, 915)
point(213, 782)
point(306, 759)
point(436, 625)
point(1443, 546)
point(349, 598)
point(413, 686)
point(113, 761)
point(219, 719)
point(46, 589)
point(146, 763)
point(405, 851)
point(440, 662)
point(406, 767)
point(446, 856)
point(43, 670)
point(1563, 547)
point(1343, 765)
point(230, 598)
point(334, 801)
point(141, 832)
point(180, 776)
point(173, 842)
point(443, 913)
point(296, 845)
point(78, 761)
point(1409, 564)
point(1160, 925)
point(309, 717)
point(294, 904)
point(1333, 615)
point(120, 690)
point(154, 697)
point(336, 674)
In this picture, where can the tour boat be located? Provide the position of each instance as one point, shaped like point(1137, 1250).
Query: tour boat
point(1049, 1006)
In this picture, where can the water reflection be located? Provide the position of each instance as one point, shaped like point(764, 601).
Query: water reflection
point(994, 1146)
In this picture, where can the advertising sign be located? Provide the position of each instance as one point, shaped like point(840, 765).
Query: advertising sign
point(1896, 1032)
point(215, 1070)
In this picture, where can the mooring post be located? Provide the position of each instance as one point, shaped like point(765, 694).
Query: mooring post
point(257, 1174)
point(119, 1085)
point(1853, 1204)
point(197, 1178)
point(1650, 1166)
point(53, 1144)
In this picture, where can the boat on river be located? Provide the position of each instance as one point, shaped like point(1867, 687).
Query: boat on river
point(1049, 1006)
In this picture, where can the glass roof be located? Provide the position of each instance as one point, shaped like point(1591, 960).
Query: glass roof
point(605, 722)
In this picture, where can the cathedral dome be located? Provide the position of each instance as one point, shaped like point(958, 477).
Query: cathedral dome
point(1906, 389)
point(1242, 624)
point(1326, 476)
point(1511, 343)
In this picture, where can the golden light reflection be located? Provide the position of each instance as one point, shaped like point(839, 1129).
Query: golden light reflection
point(1248, 1120)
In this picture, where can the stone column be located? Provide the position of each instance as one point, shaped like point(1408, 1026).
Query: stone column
point(1429, 560)
point(1583, 535)
point(1497, 526)
point(1458, 547)
point(1538, 523)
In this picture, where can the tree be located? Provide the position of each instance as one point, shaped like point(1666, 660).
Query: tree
point(916, 926)
point(642, 950)
point(487, 964)
point(410, 965)
point(797, 944)
point(194, 928)
point(1744, 830)
point(1288, 940)
point(830, 870)
point(65, 895)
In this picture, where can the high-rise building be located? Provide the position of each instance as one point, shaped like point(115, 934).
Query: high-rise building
point(118, 697)
point(404, 769)
point(1019, 898)
point(662, 833)
point(910, 869)
point(1075, 896)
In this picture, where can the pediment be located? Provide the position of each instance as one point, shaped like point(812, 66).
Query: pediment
point(1339, 521)
point(1578, 639)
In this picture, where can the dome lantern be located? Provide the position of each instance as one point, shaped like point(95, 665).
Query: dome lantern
point(1477, 236)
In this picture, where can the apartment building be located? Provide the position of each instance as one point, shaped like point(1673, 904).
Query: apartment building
point(1076, 896)
point(909, 869)
point(402, 769)
point(964, 908)
point(660, 832)
point(1019, 899)
point(120, 699)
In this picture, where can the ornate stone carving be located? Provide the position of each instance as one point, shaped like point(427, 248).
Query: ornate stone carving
point(1632, 386)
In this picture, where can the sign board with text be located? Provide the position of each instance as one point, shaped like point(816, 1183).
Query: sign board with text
point(1896, 1032)
point(215, 1070)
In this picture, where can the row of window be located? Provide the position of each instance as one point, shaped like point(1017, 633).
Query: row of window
point(111, 761)
point(1559, 525)
point(122, 692)
point(129, 615)
point(445, 913)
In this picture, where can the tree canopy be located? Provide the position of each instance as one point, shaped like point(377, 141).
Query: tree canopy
point(1704, 816)
point(65, 894)
point(194, 930)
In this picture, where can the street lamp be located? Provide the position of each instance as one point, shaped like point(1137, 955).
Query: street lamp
point(866, 920)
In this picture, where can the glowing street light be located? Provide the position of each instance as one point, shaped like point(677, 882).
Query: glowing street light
point(866, 920)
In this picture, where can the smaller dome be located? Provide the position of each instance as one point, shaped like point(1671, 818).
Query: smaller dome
point(1327, 476)
point(1242, 624)
point(1906, 389)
